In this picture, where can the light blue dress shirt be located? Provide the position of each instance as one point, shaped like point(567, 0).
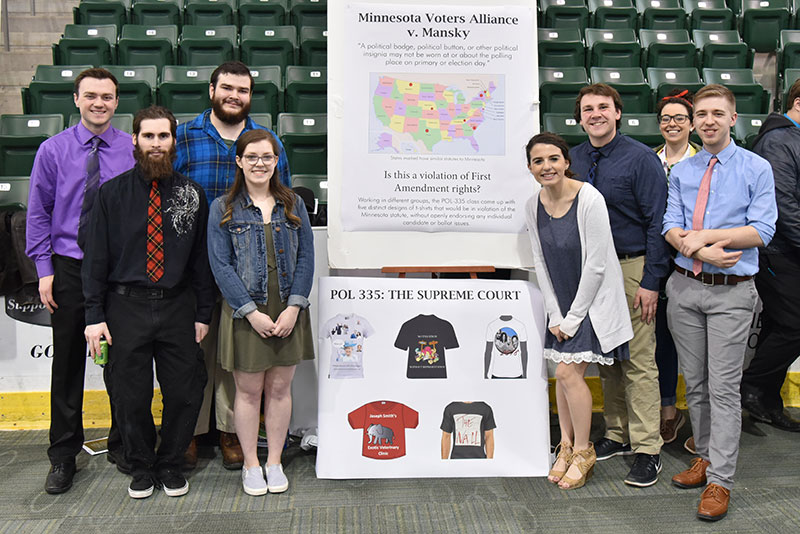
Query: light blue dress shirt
point(742, 193)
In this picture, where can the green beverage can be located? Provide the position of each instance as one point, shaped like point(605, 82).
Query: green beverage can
point(102, 358)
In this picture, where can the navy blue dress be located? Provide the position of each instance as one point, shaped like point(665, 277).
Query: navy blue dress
point(561, 247)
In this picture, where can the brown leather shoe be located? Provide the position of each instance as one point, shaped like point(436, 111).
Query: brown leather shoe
point(689, 445)
point(694, 477)
point(714, 503)
point(190, 456)
point(232, 457)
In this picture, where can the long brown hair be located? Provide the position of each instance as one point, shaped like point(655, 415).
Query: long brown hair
point(278, 190)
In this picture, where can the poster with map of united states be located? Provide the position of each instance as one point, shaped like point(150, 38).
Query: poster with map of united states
point(456, 114)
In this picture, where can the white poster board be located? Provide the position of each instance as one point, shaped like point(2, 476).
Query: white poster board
point(430, 107)
point(403, 387)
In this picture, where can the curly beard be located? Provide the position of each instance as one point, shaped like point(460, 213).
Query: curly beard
point(231, 119)
point(155, 169)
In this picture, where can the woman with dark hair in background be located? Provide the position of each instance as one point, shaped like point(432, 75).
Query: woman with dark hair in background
point(582, 285)
point(261, 251)
point(674, 113)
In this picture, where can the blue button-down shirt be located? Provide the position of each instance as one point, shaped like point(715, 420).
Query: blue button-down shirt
point(630, 177)
point(206, 158)
point(742, 193)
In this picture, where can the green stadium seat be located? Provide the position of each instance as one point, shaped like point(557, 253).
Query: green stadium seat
point(58, 73)
point(86, 44)
point(89, 31)
point(661, 14)
point(565, 14)
point(147, 45)
point(20, 137)
point(313, 46)
point(629, 83)
point(309, 13)
point(746, 128)
point(750, 96)
point(209, 12)
point(184, 117)
point(264, 119)
point(306, 89)
point(261, 45)
point(613, 14)
point(613, 48)
point(262, 12)
point(789, 77)
point(120, 121)
point(663, 81)
point(667, 49)
point(101, 12)
point(641, 126)
point(711, 15)
point(267, 90)
point(137, 86)
point(185, 89)
point(14, 193)
point(762, 22)
point(789, 50)
point(565, 125)
point(157, 12)
point(207, 45)
point(558, 88)
point(561, 47)
point(305, 139)
point(317, 183)
point(45, 98)
point(721, 49)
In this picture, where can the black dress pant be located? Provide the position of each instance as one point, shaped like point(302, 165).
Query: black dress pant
point(778, 284)
point(69, 366)
point(144, 330)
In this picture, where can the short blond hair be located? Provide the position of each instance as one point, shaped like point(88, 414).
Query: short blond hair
point(715, 89)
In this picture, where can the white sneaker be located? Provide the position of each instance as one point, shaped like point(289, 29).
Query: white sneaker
point(276, 480)
point(253, 481)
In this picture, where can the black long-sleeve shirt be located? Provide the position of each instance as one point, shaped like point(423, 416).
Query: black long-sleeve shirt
point(116, 245)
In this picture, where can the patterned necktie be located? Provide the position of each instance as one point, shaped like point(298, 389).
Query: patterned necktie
point(590, 176)
point(155, 236)
point(700, 207)
point(89, 189)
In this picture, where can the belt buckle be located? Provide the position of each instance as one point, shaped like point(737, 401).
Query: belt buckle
point(703, 279)
point(155, 293)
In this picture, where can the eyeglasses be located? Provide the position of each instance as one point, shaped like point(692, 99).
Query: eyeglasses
point(679, 119)
point(252, 159)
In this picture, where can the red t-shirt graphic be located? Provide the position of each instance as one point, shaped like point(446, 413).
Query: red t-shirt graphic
point(384, 424)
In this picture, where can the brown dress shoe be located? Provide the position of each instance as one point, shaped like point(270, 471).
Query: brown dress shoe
point(232, 457)
point(714, 503)
point(190, 456)
point(694, 477)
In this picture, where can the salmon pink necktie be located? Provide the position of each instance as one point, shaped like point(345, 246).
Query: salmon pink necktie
point(700, 207)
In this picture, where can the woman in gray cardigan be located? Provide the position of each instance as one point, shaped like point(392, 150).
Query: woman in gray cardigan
point(581, 281)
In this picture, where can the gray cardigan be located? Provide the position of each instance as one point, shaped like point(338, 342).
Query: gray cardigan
point(601, 290)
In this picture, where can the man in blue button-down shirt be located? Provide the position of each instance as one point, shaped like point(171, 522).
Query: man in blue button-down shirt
point(711, 293)
point(206, 153)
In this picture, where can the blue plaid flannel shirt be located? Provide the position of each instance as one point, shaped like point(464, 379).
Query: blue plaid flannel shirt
point(203, 156)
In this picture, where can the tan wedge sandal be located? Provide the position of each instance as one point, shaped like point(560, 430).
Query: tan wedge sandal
point(585, 461)
point(564, 453)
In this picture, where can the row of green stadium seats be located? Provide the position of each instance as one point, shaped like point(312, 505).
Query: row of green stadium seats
point(194, 45)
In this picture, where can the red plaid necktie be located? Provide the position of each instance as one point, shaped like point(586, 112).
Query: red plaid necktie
point(700, 207)
point(155, 236)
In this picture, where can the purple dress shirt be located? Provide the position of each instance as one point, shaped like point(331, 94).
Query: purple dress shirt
point(56, 190)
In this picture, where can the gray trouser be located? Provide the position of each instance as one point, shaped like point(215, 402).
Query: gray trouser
point(710, 325)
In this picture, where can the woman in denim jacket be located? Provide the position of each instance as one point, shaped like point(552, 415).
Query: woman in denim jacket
point(261, 250)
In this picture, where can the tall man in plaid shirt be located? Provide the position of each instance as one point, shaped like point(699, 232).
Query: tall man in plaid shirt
point(206, 153)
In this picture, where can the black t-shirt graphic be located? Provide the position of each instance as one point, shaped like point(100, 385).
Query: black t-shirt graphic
point(426, 337)
point(468, 423)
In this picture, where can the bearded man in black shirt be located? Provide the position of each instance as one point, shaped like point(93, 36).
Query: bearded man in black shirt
point(149, 292)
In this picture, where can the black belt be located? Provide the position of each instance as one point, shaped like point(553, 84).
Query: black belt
point(716, 279)
point(152, 293)
point(631, 255)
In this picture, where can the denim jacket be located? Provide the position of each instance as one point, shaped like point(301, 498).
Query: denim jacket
point(237, 253)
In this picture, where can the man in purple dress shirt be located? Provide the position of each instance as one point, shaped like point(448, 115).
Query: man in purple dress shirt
point(61, 189)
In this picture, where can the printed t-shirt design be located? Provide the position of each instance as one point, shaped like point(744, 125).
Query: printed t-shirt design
point(506, 336)
point(468, 422)
point(347, 333)
point(426, 337)
point(384, 424)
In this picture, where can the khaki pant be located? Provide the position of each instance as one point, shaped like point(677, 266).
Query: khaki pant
point(632, 402)
point(220, 383)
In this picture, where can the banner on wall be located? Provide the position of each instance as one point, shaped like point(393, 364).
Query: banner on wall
point(437, 111)
point(431, 378)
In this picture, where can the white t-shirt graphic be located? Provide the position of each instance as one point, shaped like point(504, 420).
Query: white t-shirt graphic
point(506, 336)
point(347, 333)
